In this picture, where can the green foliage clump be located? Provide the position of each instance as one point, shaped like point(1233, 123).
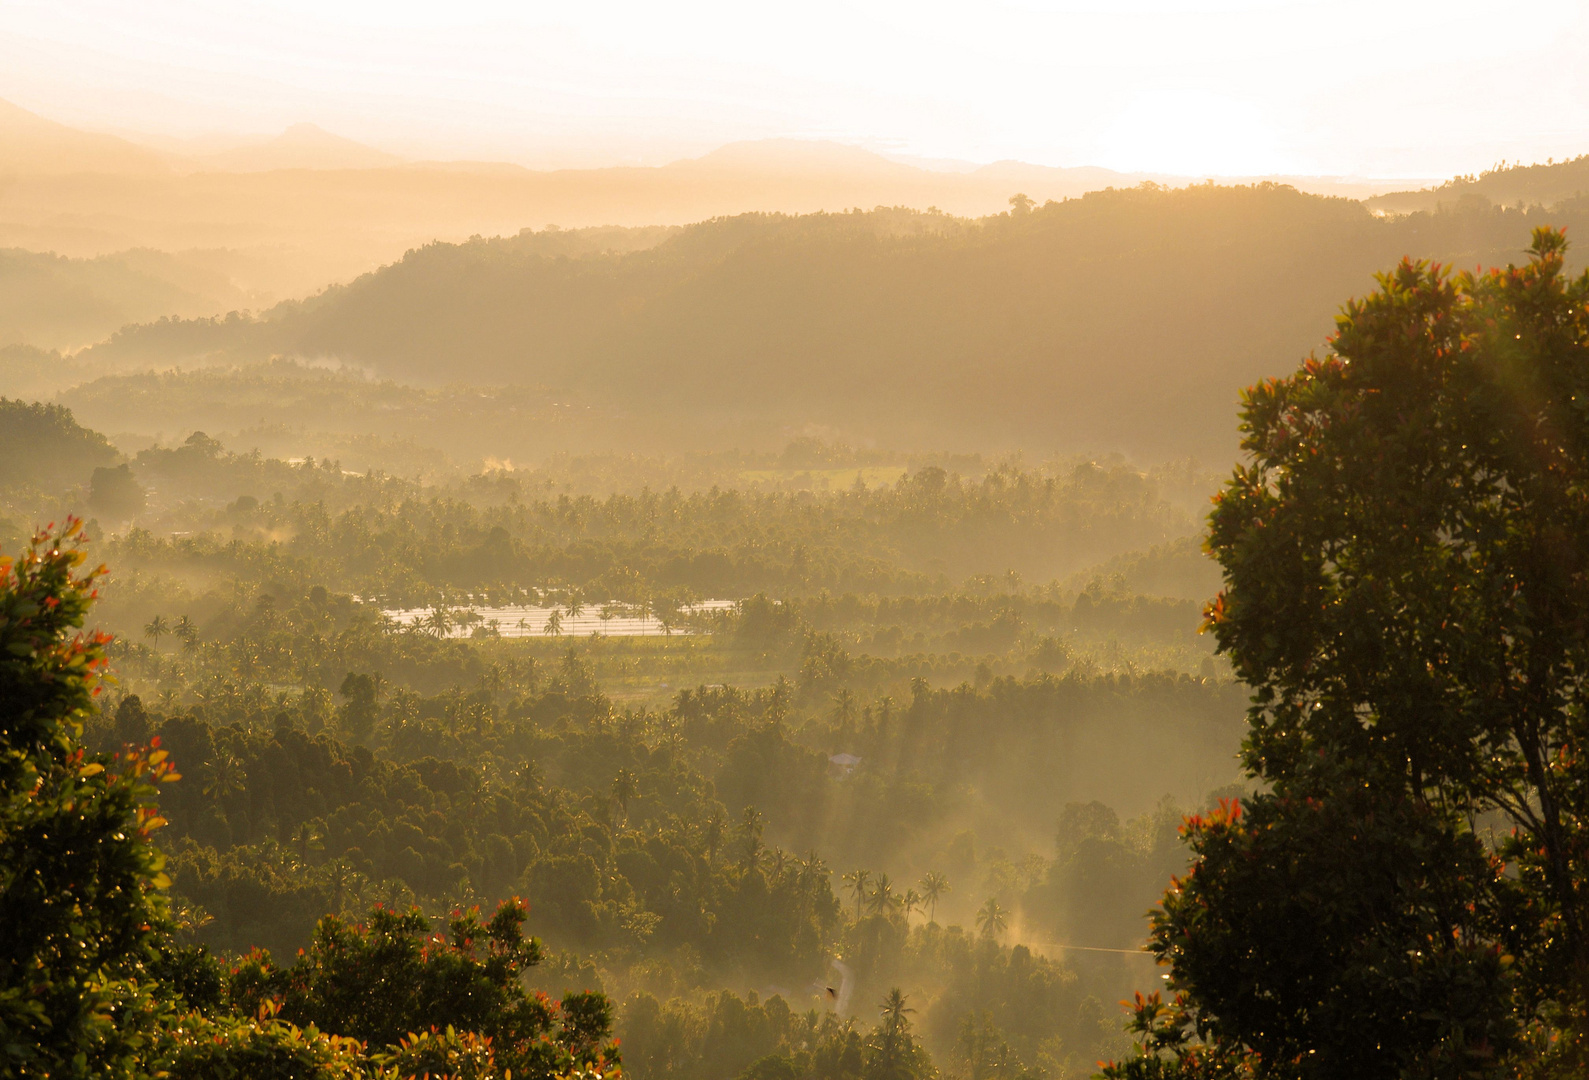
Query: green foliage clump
point(450, 1053)
point(392, 982)
point(262, 1047)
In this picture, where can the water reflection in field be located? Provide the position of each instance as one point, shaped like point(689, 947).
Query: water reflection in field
point(522, 620)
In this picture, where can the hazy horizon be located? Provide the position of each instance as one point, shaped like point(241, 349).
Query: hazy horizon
point(1249, 88)
point(306, 144)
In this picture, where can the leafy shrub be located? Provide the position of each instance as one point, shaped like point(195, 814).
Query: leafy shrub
point(263, 1047)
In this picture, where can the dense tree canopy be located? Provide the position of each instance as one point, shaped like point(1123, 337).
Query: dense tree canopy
point(1405, 591)
point(904, 687)
point(44, 445)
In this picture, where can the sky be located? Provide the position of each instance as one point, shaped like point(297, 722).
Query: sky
point(1245, 87)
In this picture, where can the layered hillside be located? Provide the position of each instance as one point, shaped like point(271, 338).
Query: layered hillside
point(1124, 320)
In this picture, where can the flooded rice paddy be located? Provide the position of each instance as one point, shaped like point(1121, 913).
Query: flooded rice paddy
point(521, 620)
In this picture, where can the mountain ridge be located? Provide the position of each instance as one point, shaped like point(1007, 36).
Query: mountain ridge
point(302, 146)
point(1124, 320)
point(31, 143)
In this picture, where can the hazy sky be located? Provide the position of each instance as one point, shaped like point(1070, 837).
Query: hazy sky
point(1381, 88)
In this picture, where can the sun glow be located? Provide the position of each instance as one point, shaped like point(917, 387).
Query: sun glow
point(1238, 87)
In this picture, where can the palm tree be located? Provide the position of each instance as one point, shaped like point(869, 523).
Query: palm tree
point(933, 886)
point(812, 866)
point(750, 836)
point(188, 916)
point(229, 776)
point(858, 880)
point(337, 874)
point(665, 611)
point(554, 623)
point(576, 605)
point(882, 895)
point(461, 897)
point(245, 657)
point(885, 712)
point(394, 894)
point(155, 629)
point(896, 1032)
point(527, 775)
point(894, 1010)
point(439, 621)
point(910, 902)
point(255, 696)
point(780, 862)
point(714, 836)
point(360, 894)
point(992, 919)
point(673, 738)
point(624, 787)
point(187, 631)
point(844, 706)
point(307, 838)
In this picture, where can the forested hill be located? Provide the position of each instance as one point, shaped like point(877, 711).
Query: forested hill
point(1123, 320)
point(59, 303)
point(1554, 185)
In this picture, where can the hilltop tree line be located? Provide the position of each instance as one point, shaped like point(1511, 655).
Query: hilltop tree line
point(1122, 319)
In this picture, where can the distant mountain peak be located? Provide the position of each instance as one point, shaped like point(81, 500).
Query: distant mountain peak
point(30, 143)
point(306, 133)
point(303, 145)
point(793, 155)
point(13, 114)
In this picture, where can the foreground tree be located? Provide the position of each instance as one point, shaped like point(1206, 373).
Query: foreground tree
point(1407, 580)
point(81, 903)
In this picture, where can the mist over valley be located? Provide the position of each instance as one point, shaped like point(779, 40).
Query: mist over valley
point(675, 576)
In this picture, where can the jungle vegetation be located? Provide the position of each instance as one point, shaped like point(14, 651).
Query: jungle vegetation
point(897, 747)
point(852, 823)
